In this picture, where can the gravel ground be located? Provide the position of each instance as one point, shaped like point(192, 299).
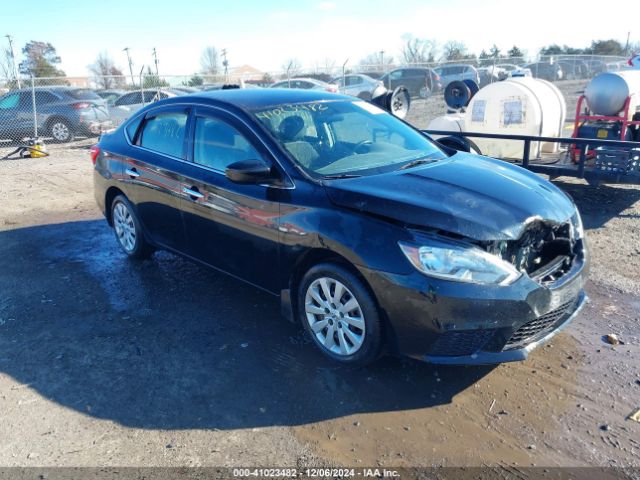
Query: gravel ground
point(108, 362)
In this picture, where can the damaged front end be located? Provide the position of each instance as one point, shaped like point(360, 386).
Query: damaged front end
point(484, 317)
point(545, 251)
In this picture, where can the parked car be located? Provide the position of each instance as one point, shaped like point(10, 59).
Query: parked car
point(515, 70)
point(574, 69)
point(546, 71)
point(62, 113)
point(306, 84)
point(357, 85)
point(420, 82)
point(596, 66)
point(128, 104)
point(491, 74)
point(450, 73)
point(110, 95)
point(374, 237)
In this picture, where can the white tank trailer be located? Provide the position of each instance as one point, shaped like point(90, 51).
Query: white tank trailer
point(516, 106)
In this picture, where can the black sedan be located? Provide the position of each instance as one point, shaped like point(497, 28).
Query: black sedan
point(375, 238)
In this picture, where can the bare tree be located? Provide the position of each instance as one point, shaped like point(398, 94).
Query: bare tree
point(417, 50)
point(377, 61)
point(210, 61)
point(106, 73)
point(6, 65)
point(454, 50)
point(292, 67)
point(325, 66)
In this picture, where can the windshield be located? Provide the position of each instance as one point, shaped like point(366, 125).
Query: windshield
point(345, 137)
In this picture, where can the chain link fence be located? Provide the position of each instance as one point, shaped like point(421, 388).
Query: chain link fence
point(63, 109)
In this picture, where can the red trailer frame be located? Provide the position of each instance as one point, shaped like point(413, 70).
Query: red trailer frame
point(582, 117)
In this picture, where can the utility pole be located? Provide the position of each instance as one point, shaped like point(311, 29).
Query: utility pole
point(155, 59)
point(225, 64)
point(126, 49)
point(626, 47)
point(13, 60)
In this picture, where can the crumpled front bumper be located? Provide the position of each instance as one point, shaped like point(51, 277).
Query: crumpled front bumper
point(510, 355)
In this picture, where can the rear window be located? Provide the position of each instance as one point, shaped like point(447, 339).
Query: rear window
point(83, 94)
point(164, 133)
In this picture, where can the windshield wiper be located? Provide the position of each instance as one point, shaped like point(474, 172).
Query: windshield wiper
point(415, 163)
point(339, 176)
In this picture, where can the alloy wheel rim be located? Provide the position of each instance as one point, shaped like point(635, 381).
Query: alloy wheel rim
point(334, 316)
point(60, 131)
point(124, 226)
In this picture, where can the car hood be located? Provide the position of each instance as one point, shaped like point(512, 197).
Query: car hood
point(477, 197)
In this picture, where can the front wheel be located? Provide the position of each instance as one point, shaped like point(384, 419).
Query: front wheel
point(128, 230)
point(340, 315)
point(61, 130)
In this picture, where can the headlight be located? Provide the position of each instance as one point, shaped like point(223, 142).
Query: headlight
point(576, 225)
point(461, 263)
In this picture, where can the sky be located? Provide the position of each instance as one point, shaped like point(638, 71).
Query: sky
point(265, 34)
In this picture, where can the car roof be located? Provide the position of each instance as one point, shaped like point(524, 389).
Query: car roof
point(255, 99)
point(305, 79)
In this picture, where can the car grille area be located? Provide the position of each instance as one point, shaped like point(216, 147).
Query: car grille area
point(458, 343)
point(541, 326)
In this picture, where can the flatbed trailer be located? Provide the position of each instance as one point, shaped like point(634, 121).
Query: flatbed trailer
point(615, 161)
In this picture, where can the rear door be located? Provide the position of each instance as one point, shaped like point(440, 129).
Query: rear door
point(229, 226)
point(154, 176)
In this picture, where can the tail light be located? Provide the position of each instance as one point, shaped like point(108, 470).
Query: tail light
point(437, 77)
point(332, 89)
point(80, 105)
point(94, 151)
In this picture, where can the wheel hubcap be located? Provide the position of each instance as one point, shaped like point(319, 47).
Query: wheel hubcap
point(125, 228)
point(335, 316)
point(60, 131)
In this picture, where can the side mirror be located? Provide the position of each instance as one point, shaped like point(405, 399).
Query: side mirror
point(249, 172)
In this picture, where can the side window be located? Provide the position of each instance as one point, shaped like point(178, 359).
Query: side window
point(43, 98)
point(154, 96)
point(132, 98)
point(10, 101)
point(132, 127)
point(396, 75)
point(164, 133)
point(217, 144)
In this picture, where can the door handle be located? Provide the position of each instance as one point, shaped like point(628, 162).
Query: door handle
point(193, 192)
point(132, 172)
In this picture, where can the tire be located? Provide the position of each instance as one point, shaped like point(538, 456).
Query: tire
point(128, 230)
point(357, 341)
point(61, 130)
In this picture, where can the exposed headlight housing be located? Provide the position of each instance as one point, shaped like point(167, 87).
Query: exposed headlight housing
point(459, 262)
point(576, 226)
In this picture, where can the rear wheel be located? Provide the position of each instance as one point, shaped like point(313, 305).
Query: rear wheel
point(340, 315)
point(128, 230)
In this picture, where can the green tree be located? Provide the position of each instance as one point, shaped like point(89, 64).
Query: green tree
point(40, 60)
point(151, 80)
point(605, 47)
point(195, 81)
point(515, 52)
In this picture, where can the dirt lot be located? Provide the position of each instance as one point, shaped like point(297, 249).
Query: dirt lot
point(105, 361)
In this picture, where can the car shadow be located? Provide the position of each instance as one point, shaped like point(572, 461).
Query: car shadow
point(168, 344)
point(600, 204)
